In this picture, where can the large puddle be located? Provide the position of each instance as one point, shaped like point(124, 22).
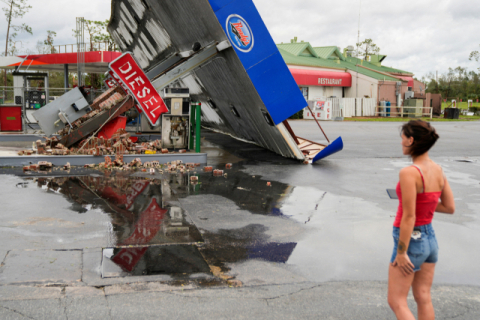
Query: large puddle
point(150, 231)
point(233, 226)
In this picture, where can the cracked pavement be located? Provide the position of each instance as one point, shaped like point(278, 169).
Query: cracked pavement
point(332, 218)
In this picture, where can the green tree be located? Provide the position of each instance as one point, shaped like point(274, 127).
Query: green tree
point(98, 39)
point(367, 48)
point(474, 55)
point(45, 46)
point(13, 48)
point(458, 83)
point(98, 36)
point(50, 39)
point(98, 33)
point(14, 9)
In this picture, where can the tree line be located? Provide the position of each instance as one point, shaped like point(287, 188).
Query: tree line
point(458, 83)
point(95, 31)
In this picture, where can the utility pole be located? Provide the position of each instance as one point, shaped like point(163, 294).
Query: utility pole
point(358, 41)
point(6, 49)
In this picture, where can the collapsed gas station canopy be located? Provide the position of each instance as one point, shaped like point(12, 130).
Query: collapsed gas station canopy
point(95, 61)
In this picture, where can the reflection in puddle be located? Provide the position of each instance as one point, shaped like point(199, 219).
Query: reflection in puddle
point(151, 234)
point(139, 214)
point(153, 260)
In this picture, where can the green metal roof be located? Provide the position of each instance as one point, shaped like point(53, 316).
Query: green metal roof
point(327, 63)
point(299, 49)
point(373, 66)
point(302, 53)
point(309, 61)
point(324, 52)
point(329, 53)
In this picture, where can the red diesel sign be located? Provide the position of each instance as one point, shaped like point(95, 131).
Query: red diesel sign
point(116, 80)
point(112, 80)
point(129, 72)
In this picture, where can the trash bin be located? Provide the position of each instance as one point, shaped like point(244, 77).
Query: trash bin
point(389, 104)
point(451, 113)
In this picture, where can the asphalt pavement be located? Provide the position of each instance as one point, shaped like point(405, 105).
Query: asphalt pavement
point(313, 244)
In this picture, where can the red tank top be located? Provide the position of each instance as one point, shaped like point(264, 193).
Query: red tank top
point(424, 207)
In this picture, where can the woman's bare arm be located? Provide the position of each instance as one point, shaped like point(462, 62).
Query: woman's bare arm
point(409, 197)
point(447, 203)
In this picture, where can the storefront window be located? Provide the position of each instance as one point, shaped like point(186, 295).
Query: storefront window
point(304, 92)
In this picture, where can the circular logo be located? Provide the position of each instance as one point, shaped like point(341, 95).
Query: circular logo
point(239, 32)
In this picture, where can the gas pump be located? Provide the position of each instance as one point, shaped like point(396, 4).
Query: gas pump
point(176, 123)
point(31, 98)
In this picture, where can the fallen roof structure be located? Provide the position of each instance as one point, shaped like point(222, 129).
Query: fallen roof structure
point(222, 51)
point(95, 61)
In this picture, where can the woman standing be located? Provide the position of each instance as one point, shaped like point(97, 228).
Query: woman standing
point(415, 251)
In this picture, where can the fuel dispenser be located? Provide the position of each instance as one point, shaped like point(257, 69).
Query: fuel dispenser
point(30, 97)
point(176, 123)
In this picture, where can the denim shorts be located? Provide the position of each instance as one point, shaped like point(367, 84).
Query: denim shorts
point(424, 249)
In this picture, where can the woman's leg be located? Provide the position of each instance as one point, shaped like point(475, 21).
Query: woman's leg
point(398, 288)
point(422, 283)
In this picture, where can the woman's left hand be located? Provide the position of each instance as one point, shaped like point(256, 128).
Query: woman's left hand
point(403, 262)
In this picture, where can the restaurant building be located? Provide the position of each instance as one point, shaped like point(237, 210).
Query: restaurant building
point(326, 72)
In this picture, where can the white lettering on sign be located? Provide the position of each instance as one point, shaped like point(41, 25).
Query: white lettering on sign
point(145, 91)
point(113, 80)
point(126, 70)
point(329, 81)
point(110, 82)
point(149, 101)
point(131, 74)
point(139, 81)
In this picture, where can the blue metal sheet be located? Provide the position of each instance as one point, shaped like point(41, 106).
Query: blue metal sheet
point(219, 4)
point(332, 148)
point(274, 88)
point(260, 57)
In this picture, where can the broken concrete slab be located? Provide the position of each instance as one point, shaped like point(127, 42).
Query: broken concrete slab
point(71, 292)
point(92, 273)
point(42, 267)
point(8, 293)
point(153, 260)
point(144, 287)
point(258, 272)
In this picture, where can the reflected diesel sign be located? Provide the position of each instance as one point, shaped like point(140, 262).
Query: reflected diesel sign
point(145, 230)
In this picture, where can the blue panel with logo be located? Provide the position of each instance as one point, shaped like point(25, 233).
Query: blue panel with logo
point(260, 57)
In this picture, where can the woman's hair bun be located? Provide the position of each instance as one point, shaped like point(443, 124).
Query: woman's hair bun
point(424, 136)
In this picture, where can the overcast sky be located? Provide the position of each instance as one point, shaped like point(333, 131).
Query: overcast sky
point(417, 35)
